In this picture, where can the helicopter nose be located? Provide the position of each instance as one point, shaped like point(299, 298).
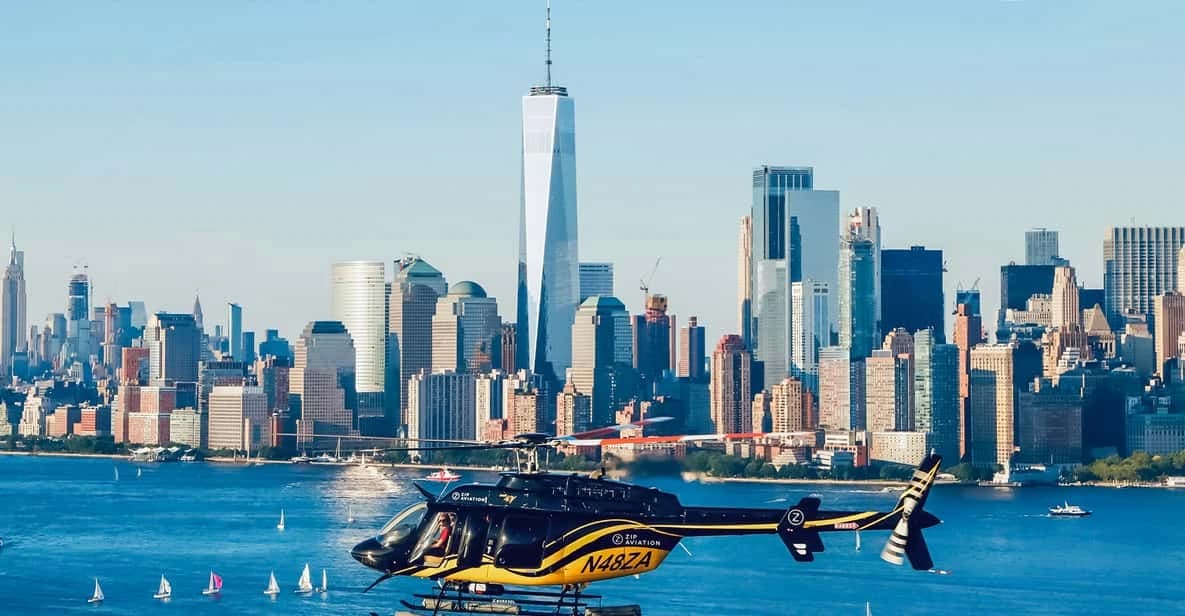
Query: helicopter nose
point(372, 554)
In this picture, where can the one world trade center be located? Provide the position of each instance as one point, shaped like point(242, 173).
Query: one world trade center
point(548, 265)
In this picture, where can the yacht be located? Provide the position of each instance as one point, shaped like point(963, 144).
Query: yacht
point(1066, 510)
point(444, 474)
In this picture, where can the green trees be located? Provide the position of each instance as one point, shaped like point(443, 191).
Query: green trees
point(1139, 466)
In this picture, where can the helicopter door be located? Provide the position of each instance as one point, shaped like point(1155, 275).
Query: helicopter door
point(472, 539)
point(520, 542)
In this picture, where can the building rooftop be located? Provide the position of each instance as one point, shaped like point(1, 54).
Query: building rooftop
point(467, 288)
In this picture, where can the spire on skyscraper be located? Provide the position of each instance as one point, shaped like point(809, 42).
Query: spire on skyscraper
point(547, 62)
point(197, 311)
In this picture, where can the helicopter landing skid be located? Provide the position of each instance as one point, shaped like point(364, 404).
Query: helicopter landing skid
point(453, 598)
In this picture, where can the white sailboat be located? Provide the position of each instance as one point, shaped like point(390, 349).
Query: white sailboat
point(97, 597)
point(117, 473)
point(305, 585)
point(324, 582)
point(857, 541)
point(215, 586)
point(165, 590)
point(280, 526)
point(350, 515)
point(273, 588)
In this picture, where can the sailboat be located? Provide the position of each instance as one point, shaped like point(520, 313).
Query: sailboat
point(98, 596)
point(165, 590)
point(857, 541)
point(350, 515)
point(867, 609)
point(280, 526)
point(117, 473)
point(139, 472)
point(324, 582)
point(305, 585)
point(273, 588)
point(215, 586)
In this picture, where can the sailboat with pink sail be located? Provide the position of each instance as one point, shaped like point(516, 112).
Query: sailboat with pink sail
point(215, 586)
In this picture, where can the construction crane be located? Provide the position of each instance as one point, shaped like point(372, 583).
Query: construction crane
point(644, 285)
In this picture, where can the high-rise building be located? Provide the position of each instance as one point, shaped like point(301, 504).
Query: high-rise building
point(573, 411)
point(249, 347)
point(810, 329)
point(234, 330)
point(968, 334)
point(321, 382)
point(411, 306)
point(841, 389)
point(745, 280)
point(653, 343)
point(786, 407)
point(1041, 247)
point(691, 351)
point(466, 330)
point(601, 354)
point(1168, 325)
point(888, 389)
point(1049, 423)
point(1139, 263)
point(771, 330)
point(971, 298)
point(1065, 310)
point(993, 405)
point(12, 308)
point(857, 295)
point(274, 375)
point(78, 334)
point(359, 302)
point(274, 345)
point(1020, 282)
point(197, 313)
point(548, 268)
point(1181, 271)
point(489, 396)
point(174, 348)
point(595, 279)
point(911, 290)
point(442, 405)
point(937, 407)
point(216, 373)
point(238, 418)
point(731, 392)
point(769, 215)
point(864, 222)
point(509, 348)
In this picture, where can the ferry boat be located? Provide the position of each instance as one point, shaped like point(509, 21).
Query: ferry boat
point(444, 474)
point(1066, 510)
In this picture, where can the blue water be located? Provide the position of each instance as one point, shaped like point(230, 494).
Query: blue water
point(65, 521)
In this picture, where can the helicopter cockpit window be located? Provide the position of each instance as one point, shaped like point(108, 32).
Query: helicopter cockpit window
point(436, 538)
point(400, 527)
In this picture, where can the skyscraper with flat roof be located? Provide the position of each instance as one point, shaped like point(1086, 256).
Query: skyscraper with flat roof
point(691, 351)
point(745, 279)
point(730, 390)
point(911, 290)
point(595, 279)
point(993, 405)
point(174, 348)
point(359, 302)
point(937, 408)
point(1169, 325)
point(234, 327)
point(810, 330)
point(322, 379)
point(411, 304)
point(857, 295)
point(599, 332)
point(1041, 247)
point(1139, 263)
point(548, 268)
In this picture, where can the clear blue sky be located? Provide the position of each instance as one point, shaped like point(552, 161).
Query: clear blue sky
point(238, 148)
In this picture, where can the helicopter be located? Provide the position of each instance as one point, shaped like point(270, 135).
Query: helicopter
point(534, 528)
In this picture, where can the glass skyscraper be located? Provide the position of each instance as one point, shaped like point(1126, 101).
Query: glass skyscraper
point(911, 290)
point(548, 267)
point(1139, 263)
point(857, 296)
point(769, 210)
point(360, 303)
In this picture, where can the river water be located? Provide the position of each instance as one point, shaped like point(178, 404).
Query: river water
point(65, 521)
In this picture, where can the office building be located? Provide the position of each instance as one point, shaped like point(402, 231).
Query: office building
point(968, 333)
point(275, 346)
point(189, 427)
point(274, 375)
point(899, 447)
point(215, 373)
point(321, 382)
point(864, 222)
point(937, 407)
point(911, 290)
point(760, 419)
point(1168, 325)
point(489, 396)
point(653, 343)
point(78, 324)
point(692, 357)
point(466, 330)
point(442, 405)
point(1049, 423)
point(745, 279)
point(238, 418)
point(1139, 263)
point(411, 305)
point(509, 348)
point(888, 389)
point(13, 317)
point(1041, 247)
point(234, 330)
point(971, 298)
point(768, 220)
point(841, 390)
point(174, 348)
point(810, 330)
point(596, 279)
point(1155, 432)
point(1064, 310)
point(730, 390)
point(857, 294)
point(787, 407)
point(993, 405)
point(548, 269)
point(601, 355)
point(1020, 282)
point(771, 328)
point(359, 302)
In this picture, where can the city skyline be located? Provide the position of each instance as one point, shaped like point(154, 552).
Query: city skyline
point(63, 171)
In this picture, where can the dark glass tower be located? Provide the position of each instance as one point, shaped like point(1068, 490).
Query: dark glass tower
point(911, 290)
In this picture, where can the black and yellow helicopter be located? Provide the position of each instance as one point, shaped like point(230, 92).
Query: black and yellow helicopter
point(536, 529)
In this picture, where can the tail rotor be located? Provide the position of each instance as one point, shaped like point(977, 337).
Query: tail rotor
point(906, 541)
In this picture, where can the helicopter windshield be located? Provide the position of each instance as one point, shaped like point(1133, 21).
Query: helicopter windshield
point(403, 524)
